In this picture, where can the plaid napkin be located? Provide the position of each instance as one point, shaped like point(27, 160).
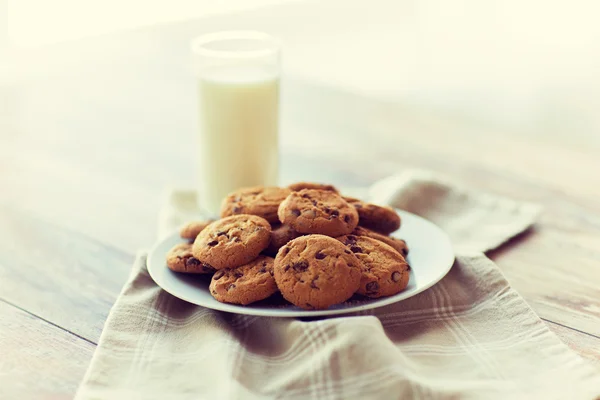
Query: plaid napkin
point(469, 336)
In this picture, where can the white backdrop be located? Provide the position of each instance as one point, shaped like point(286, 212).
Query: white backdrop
point(526, 64)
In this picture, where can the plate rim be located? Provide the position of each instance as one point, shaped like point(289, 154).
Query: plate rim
point(284, 313)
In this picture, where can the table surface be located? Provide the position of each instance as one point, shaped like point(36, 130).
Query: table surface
point(88, 146)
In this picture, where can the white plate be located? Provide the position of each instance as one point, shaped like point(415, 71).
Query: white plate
point(430, 257)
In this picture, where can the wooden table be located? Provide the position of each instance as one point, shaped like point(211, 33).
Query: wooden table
point(93, 132)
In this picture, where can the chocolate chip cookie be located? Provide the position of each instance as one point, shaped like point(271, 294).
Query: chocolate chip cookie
point(245, 284)
point(318, 211)
point(384, 270)
point(382, 219)
point(397, 244)
point(180, 259)
point(296, 187)
point(316, 272)
point(192, 229)
point(232, 241)
point(280, 235)
point(259, 200)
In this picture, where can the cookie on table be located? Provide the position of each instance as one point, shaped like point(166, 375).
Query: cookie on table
point(318, 211)
point(245, 284)
point(181, 259)
point(397, 244)
point(232, 241)
point(382, 219)
point(316, 272)
point(298, 186)
point(259, 200)
point(281, 234)
point(192, 229)
point(384, 271)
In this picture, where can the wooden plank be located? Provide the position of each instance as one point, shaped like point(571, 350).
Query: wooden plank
point(585, 345)
point(556, 271)
point(72, 196)
point(38, 360)
point(59, 275)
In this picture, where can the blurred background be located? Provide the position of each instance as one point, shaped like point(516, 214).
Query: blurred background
point(531, 63)
point(97, 97)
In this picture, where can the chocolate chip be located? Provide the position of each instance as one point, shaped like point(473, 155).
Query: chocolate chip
point(238, 274)
point(218, 275)
point(235, 239)
point(213, 291)
point(221, 233)
point(347, 251)
point(314, 202)
point(408, 267)
point(319, 255)
point(213, 243)
point(313, 284)
point(230, 286)
point(295, 212)
point(287, 267)
point(192, 262)
point(350, 239)
point(335, 213)
point(357, 205)
point(285, 250)
point(355, 249)
point(372, 287)
point(262, 270)
point(305, 196)
point(208, 269)
point(346, 218)
point(236, 209)
point(404, 251)
point(300, 266)
point(396, 276)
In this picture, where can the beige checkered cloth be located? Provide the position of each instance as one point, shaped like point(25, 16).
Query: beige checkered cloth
point(470, 336)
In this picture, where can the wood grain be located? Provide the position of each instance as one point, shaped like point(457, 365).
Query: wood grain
point(57, 274)
point(38, 360)
point(585, 345)
point(89, 142)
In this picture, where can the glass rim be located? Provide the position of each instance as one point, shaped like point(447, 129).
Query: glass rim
point(198, 44)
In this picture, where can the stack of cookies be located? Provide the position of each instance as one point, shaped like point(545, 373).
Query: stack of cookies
point(307, 241)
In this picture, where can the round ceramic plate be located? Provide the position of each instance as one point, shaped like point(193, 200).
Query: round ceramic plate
point(430, 257)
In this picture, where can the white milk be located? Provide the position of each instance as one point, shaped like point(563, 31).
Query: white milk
point(238, 111)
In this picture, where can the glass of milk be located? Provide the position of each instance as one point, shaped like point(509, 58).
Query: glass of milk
point(238, 107)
